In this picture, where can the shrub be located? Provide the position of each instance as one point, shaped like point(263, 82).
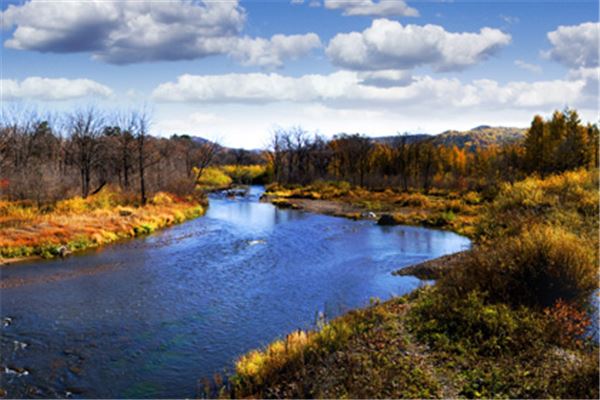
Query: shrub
point(535, 268)
point(568, 324)
point(570, 200)
point(76, 205)
point(472, 198)
point(246, 174)
point(413, 200)
point(469, 323)
point(455, 206)
point(161, 198)
point(104, 199)
point(214, 178)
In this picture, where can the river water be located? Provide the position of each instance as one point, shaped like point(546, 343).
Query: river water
point(152, 317)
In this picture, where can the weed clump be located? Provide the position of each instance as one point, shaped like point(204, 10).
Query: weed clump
point(535, 268)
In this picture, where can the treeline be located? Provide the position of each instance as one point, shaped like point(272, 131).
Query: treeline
point(47, 158)
point(559, 144)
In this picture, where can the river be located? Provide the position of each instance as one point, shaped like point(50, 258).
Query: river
point(151, 317)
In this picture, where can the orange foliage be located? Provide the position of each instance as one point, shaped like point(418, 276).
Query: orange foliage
point(570, 323)
point(78, 223)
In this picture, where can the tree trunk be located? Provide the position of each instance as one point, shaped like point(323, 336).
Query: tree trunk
point(141, 167)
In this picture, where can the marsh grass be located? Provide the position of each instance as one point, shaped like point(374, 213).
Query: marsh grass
point(453, 211)
point(77, 223)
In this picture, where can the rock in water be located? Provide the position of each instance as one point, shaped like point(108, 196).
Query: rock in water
point(64, 251)
point(387, 219)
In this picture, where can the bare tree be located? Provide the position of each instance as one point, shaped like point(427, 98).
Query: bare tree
point(204, 155)
point(140, 123)
point(122, 145)
point(275, 154)
point(84, 145)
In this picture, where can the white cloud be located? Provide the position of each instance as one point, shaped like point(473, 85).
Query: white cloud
point(273, 52)
point(591, 77)
point(125, 32)
point(381, 8)
point(348, 89)
point(49, 89)
point(575, 46)
point(533, 68)
point(386, 78)
point(388, 44)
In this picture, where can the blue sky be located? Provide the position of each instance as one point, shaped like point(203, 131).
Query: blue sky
point(234, 71)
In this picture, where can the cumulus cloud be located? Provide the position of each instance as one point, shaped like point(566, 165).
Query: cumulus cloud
point(591, 77)
point(273, 52)
point(388, 45)
point(382, 8)
point(125, 32)
point(348, 89)
point(534, 68)
point(575, 46)
point(49, 89)
point(385, 78)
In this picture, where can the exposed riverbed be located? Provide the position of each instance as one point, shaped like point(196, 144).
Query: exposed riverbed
point(151, 317)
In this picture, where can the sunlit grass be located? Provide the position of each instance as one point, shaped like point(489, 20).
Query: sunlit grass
point(453, 211)
point(78, 223)
point(213, 178)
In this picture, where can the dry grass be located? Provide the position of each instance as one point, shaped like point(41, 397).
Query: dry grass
point(422, 346)
point(364, 354)
point(453, 211)
point(27, 230)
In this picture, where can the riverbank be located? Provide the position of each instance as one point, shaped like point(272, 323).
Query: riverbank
point(443, 210)
point(433, 269)
point(398, 349)
point(76, 224)
point(509, 318)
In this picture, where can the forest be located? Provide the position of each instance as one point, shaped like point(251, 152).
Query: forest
point(559, 144)
point(47, 158)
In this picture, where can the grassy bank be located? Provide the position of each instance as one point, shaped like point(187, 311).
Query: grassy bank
point(77, 224)
point(440, 209)
point(401, 349)
point(509, 320)
point(225, 176)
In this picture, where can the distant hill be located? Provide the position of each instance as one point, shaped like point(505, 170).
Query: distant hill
point(481, 136)
point(410, 138)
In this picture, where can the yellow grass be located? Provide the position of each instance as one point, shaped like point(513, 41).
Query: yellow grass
point(26, 230)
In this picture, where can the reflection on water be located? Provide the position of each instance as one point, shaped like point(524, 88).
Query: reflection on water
point(150, 317)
